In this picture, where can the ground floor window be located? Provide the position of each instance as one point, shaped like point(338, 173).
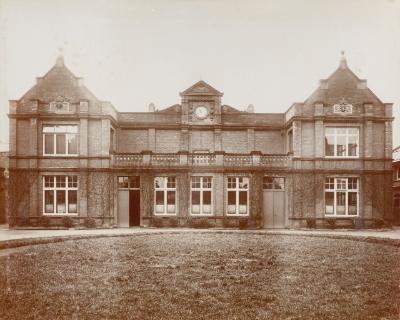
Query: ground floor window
point(341, 196)
point(165, 195)
point(238, 195)
point(60, 194)
point(201, 195)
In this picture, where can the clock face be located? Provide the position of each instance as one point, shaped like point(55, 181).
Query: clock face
point(201, 112)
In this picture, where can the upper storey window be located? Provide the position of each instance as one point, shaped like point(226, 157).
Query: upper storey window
point(60, 140)
point(341, 142)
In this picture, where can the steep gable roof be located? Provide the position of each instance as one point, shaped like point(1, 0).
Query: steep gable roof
point(343, 84)
point(201, 88)
point(59, 81)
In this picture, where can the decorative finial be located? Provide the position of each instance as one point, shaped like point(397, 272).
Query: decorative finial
point(152, 107)
point(343, 62)
point(60, 58)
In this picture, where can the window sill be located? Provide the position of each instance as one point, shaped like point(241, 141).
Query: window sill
point(340, 216)
point(60, 155)
point(340, 157)
point(60, 214)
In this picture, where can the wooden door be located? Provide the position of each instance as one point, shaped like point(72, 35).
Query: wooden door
point(134, 208)
point(274, 209)
point(123, 208)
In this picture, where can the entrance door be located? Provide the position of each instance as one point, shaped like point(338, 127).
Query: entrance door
point(274, 202)
point(128, 201)
point(123, 208)
point(134, 208)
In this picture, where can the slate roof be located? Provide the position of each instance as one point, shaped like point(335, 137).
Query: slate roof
point(343, 83)
point(59, 82)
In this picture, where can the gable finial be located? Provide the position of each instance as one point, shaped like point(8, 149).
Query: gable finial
point(60, 58)
point(343, 61)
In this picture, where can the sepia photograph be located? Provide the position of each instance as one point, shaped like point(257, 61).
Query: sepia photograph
point(200, 159)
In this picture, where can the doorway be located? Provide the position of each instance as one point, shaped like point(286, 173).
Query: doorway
point(274, 202)
point(128, 201)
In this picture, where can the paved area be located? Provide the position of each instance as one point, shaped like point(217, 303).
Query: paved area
point(7, 234)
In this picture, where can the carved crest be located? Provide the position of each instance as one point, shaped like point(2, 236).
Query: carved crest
point(343, 107)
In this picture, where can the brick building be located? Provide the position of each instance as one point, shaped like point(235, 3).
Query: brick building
point(396, 185)
point(3, 185)
point(197, 162)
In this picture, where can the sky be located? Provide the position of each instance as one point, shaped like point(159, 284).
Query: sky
point(267, 53)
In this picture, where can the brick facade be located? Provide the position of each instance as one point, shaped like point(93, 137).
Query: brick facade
point(200, 137)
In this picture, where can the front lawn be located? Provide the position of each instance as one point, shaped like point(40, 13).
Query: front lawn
point(201, 276)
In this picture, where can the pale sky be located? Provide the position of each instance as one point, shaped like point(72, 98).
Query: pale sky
point(267, 53)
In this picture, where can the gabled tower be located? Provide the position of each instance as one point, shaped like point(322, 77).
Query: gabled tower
point(201, 105)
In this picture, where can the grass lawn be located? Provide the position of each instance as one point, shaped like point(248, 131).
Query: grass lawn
point(201, 276)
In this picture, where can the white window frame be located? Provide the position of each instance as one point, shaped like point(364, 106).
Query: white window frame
point(55, 133)
point(237, 189)
point(201, 190)
point(335, 135)
point(335, 190)
point(397, 174)
point(165, 189)
point(66, 189)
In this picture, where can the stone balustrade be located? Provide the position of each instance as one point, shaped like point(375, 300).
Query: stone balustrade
point(204, 159)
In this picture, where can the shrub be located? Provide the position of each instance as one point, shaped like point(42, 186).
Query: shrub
point(379, 223)
point(44, 221)
point(331, 223)
point(243, 223)
point(24, 222)
point(67, 222)
point(173, 223)
point(229, 223)
point(157, 223)
point(90, 223)
point(311, 223)
point(201, 223)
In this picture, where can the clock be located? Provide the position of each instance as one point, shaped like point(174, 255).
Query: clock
point(201, 112)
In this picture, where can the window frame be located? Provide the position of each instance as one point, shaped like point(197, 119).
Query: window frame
point(273, 184)
point(66, 135)
point(347, 190)
point(130, 185)
point(237, 189)
point(67, 188)
point(165, 189)
point(397, 174)
point(346, 135)
point(201, 190)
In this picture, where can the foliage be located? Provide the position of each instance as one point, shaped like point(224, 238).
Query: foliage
point(157, 222)
point(229, 223)
point(379, 223)
point(44, 221)
point(90, 223)
point(21, 183)
point(331, 223)
point(243, 223)
point(200, 223)
point(311, 223)
point(67, 222)
point(24, 222)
